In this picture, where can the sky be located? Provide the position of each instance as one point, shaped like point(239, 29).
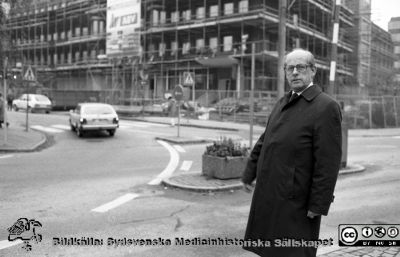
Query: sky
point(383, 10)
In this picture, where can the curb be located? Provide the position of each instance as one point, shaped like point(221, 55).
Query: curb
point(183, 140)
point(350, 169)
point(169, 182)
point(27, 149)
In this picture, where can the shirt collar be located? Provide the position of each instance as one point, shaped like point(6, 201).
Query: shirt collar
point(299, 93)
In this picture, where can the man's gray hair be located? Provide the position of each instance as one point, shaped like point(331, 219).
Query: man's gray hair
point(310, 56)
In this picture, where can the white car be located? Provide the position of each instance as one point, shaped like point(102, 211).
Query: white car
point(93, 117)
point(34, 102)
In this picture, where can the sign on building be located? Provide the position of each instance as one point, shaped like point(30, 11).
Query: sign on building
point(123, 28)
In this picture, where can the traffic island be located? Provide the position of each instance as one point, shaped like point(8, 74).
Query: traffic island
point(196, 181)
point(184, 140)
point(201, 183)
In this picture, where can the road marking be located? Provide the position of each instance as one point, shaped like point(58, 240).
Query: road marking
point(382, 146)
point(179, 148)
point(186, 165)
point(47, 129)
point(6, 156)
point(5, 243)
point(61, 126)
point(141, 124)
point(117, 202)
point(172, 165)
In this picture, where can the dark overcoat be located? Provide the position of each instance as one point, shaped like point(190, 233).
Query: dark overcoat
point(296, 163)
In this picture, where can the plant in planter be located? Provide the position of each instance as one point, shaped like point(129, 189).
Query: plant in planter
point(224, 159)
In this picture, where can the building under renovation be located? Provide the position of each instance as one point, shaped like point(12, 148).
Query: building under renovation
point(82, 48)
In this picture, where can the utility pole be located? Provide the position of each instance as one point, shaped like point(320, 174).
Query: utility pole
point(253, 64)
point(335, 38)
point(281, 47)
point(5, 64)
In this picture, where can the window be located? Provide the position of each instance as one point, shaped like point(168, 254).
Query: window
point(200, 13)
point(244, 6)
point(175, 16)
point(228, 43)
point(397, 49)
point(186, 15)
point(396, 37)
point(228, 8)
point(199, 43)
point(214, 44)
point(161, 49)
point(174, 47)
point(163, 17)
point(394, 25)
point(213, 10)
point(186, 48)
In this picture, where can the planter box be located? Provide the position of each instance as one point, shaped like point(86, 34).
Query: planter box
point(223, 167)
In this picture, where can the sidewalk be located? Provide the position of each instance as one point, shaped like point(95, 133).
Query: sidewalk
point(20, 140)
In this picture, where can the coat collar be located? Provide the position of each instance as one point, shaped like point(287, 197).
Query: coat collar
point(310, 93)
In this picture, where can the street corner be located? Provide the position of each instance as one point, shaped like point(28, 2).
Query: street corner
point(20, 140)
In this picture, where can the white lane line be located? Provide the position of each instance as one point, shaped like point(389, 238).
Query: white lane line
point(5, 243)
point(61, 126)
point(6, 156)
point(47, 129)
point(179, 148)
point(186, 165)
point(117, 202)
point(141, 124)
point(172, 165)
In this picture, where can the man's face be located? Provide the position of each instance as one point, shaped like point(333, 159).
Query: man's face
point(301, 76)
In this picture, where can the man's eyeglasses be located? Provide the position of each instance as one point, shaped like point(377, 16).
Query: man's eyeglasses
point(299, 67)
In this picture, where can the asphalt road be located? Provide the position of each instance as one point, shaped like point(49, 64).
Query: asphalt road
point(96, 187)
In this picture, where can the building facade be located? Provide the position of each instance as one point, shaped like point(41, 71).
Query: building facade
point(381, 68)
point(394, 30)
point(66, 42)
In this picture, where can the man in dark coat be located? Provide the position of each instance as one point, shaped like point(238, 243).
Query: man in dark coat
point(296, 163)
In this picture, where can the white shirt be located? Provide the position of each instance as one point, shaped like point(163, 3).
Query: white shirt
point(299, 93)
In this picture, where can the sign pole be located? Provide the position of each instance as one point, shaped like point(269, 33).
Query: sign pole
point(179, 117)
point(5, 99)
point(27, 107)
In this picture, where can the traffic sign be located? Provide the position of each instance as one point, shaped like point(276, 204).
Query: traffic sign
point(188, 78)
point(178, 93)
point(29, 75)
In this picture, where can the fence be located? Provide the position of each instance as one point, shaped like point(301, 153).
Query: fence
point(358, 111)
point(371, 112)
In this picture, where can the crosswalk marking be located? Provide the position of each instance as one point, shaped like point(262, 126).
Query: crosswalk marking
point(61, 126)
point(47, 129)
point(186, 165)
point(141, 124)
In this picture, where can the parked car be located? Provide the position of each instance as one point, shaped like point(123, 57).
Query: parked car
point(93, 117)
point(34, 102)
